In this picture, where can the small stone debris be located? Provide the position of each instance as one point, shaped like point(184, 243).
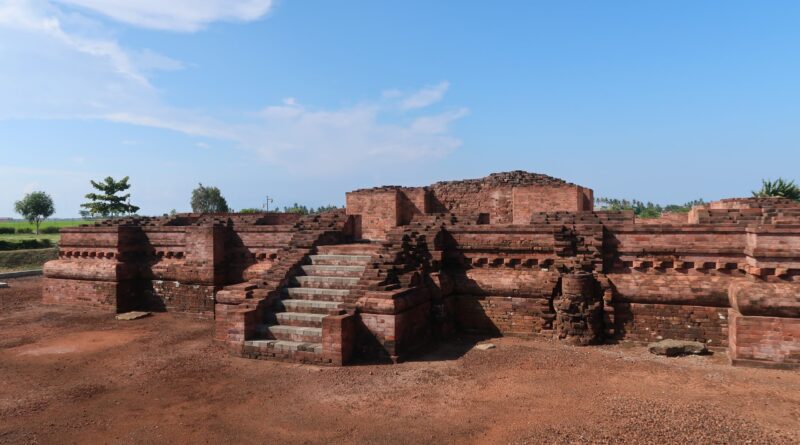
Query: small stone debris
point(485, 346)
point(675, 348)
point(135, 315)
point(3, 285)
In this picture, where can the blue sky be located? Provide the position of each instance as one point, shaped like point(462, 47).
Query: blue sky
point(304, 100)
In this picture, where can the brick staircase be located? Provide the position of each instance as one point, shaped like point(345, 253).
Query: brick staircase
point(294, 324)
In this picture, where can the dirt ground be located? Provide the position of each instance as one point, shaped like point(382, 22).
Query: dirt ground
point(70, 375)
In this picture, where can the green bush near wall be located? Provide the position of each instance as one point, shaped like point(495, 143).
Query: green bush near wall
point(15, 260)
point(25, 244)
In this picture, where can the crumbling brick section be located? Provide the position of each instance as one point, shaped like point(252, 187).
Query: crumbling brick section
point(579, 310)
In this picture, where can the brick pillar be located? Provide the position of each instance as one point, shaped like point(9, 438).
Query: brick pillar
point(205, 246)
point(338, 338)
point(579, 310)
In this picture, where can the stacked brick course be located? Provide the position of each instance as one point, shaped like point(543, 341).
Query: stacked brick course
point(514, 253)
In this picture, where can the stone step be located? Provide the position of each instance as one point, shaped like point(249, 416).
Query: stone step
point(349, 249)
point(311, 306)
point(321, 282)
point(333, 271)
point(290, 333)
point(339, 260)
point(311, 293)
point(301, 319)
point(286, 345)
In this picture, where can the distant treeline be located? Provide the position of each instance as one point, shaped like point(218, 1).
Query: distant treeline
point(297, 208)
point(645, 209)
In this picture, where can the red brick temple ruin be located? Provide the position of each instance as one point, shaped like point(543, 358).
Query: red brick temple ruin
point(517, 254)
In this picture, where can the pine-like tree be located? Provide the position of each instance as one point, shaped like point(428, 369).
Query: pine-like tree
point(109, 203)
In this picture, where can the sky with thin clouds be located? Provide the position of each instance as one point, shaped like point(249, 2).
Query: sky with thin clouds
point(302, 101)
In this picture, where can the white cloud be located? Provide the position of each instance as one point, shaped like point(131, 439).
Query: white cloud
point(351, 137)
point(41, 18)
point(438, 123)
point(176, 15)
point(148, 61)
point(422, 98)
point(320, 141)
point(67, 66)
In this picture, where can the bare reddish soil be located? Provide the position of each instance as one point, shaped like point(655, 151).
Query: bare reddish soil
point(69, 375)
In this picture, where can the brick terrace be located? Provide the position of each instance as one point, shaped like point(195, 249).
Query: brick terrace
point(514, 253)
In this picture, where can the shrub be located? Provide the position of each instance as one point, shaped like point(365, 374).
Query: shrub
point(26, 259)
point(251, 210)
point(24, 230)
point(26, 244)
point(779, 188)
point(6, 230)
point(50, 230)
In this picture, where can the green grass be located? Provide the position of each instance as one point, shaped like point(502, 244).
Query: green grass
point(53, 237)
point(55, 223)
point(16, 260)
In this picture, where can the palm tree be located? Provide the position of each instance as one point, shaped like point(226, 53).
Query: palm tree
point(778, 188)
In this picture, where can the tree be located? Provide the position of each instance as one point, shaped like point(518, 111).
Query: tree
point(644, 210)
point(327, 208)
point(35, 207)
point(208, 200)
point(297, 208)
point(303, 210)
point(108, 202)
point(778, 188)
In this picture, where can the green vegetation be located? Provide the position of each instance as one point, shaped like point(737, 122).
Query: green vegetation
point(778, 188)
point(208, 200)
point(108, 203)
point(47, 225)
point(251, 210)
point(16, 231)
point(644, 210)
point(303, 210)
point(17, 260)
point(35, 207)
point(25, 244)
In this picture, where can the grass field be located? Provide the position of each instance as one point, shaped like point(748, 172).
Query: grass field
point(55, 223)
point(53, 237)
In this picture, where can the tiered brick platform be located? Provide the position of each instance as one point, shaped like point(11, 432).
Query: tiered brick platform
point(514, 253)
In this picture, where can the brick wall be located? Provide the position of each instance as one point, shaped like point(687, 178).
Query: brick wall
point(643, 322)
point(378, 209)
point(686, 286)
point(503, 281)
point(528, 200)
point(106, 295)
point(502, 315)
point(174, 296)
point(474, 199)
point(764, 341)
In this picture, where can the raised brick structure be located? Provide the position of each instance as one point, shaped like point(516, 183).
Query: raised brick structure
point(511, 254)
